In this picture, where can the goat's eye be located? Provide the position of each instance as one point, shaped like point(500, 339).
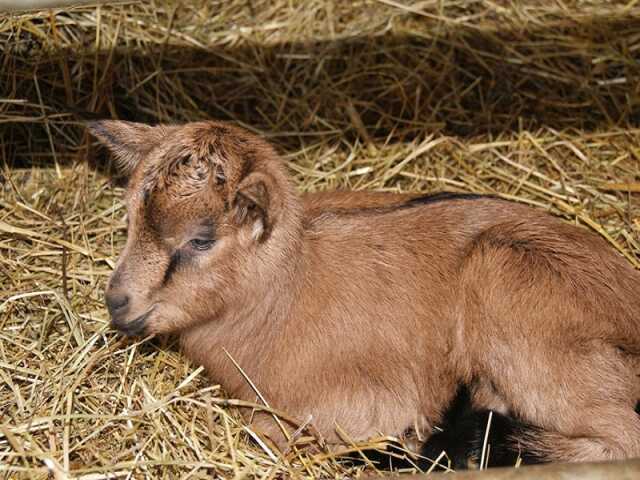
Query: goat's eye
point(201, 244)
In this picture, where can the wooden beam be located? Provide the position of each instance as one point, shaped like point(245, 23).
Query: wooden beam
point(26, 5)
point(621, 470)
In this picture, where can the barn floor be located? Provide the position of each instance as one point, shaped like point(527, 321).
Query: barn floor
point(536, 101)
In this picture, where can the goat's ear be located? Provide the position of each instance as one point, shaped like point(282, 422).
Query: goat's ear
point(129, 142)
point(253, 204)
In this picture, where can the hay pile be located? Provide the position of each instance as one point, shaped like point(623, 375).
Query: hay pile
point(538, 101)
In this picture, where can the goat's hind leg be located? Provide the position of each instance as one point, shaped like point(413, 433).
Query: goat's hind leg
point(509, 440)
point(615, 435)
point(585, 409)
point(552, 355)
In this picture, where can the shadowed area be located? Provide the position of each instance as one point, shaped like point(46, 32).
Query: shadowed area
point(380, 85)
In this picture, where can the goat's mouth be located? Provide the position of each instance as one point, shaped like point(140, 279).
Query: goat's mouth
point(133, 327)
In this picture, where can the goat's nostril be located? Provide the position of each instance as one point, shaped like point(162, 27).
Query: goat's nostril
point(116, 303)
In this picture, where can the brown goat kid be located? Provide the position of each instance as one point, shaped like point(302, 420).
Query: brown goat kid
point(368, 310)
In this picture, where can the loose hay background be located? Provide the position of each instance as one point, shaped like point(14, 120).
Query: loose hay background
point(538, 101)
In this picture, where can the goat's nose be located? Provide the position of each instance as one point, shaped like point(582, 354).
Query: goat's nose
point(116, 302)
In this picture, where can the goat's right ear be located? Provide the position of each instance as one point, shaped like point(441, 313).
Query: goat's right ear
point(254, 203)
point(129, 142)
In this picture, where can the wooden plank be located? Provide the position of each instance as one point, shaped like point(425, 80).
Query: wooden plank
point(27, 5)
point(619, 470)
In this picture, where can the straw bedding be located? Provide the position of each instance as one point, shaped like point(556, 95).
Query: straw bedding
point(536, 101)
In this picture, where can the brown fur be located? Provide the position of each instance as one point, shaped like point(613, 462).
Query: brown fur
point(367, 311)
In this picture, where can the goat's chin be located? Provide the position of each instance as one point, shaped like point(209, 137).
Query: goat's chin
point(168, 319)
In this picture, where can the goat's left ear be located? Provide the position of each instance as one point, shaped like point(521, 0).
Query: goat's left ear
point(129, 142)
point(253, 204)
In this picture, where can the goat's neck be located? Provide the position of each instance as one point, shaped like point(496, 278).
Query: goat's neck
point(271, 284)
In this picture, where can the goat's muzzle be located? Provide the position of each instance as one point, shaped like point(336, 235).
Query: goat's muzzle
point(119, 306)
point(133, 327)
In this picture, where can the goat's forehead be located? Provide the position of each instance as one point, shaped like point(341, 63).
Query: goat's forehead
point(168, 217)
point(188, 173)
point(171, 204)
point(178, 169)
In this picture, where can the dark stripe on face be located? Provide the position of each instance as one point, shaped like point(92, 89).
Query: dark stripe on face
point(173, 265)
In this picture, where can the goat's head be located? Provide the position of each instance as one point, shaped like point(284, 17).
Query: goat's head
point(203, 200)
